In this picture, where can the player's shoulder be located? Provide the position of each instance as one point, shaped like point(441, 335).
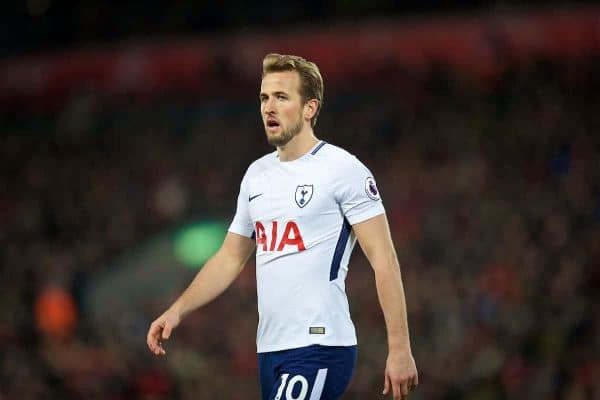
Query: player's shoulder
point(261, 164)
point(337, 156)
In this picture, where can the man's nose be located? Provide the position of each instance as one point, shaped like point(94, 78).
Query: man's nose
point(269, 106)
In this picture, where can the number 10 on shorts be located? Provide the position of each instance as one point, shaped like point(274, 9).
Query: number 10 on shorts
point(302, 383)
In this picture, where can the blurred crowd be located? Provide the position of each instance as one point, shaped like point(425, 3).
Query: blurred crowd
point(492, 189)
point(35, 25)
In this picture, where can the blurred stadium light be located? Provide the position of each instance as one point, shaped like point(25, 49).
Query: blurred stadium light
point(196, 242)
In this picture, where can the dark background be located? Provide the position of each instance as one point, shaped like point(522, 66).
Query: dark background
point(49, 24)
point(487, 158)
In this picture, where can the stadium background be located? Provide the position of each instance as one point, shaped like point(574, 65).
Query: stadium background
point(125, 130)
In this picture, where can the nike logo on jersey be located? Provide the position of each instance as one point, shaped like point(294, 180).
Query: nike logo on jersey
point(255, 196)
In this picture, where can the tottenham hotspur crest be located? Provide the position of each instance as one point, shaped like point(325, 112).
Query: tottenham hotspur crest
point(303, 194)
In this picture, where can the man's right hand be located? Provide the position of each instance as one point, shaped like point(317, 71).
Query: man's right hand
point(212, 279)
point(161, 329)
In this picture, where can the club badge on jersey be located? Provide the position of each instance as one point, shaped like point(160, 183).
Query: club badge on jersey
point(303, 195)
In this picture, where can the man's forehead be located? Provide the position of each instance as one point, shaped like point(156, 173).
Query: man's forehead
point(285, 80)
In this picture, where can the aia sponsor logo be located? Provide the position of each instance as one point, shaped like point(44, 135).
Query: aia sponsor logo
point(268, 240)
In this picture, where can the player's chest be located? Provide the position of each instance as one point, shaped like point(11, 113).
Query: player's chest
point(284, 194)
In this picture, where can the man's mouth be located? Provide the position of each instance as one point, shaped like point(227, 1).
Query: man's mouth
point(272, 124)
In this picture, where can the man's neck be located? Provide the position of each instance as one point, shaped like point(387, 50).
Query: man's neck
point(298, 146)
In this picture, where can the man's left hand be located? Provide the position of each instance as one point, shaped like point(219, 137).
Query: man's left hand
point(401, 375)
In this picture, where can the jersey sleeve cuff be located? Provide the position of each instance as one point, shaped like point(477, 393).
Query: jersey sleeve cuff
point(241, 230)
point(364, 215)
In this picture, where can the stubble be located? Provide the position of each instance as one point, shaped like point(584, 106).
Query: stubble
point(285, 136)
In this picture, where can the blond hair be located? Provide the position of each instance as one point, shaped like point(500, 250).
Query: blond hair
point(311, 82)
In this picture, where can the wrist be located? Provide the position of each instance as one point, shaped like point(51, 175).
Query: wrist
point(399, 347)
point(177, 309)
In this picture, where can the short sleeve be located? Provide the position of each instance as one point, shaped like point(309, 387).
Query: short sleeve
point(357, 192)
point(242, 223)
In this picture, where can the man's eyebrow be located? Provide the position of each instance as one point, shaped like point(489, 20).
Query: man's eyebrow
point(277, 93)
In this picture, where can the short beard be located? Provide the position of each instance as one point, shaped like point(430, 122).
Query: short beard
point(286, 135)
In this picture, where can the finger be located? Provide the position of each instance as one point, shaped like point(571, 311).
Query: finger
point(151, 337)
point(396, 391)
point(404, 387)
point(166, 332)
point(416, 380)
point(410, 384)
point(386, 383)
point(158, 349)
point(413, 383)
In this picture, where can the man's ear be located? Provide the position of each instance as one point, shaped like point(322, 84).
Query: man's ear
point(310, 108)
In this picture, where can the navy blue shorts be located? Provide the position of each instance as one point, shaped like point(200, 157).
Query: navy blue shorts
point(308, 373)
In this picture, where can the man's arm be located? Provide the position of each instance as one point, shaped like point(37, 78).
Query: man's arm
point(216, 275)
point(376, 242)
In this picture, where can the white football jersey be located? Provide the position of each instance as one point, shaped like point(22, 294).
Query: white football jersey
point(300, 212)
